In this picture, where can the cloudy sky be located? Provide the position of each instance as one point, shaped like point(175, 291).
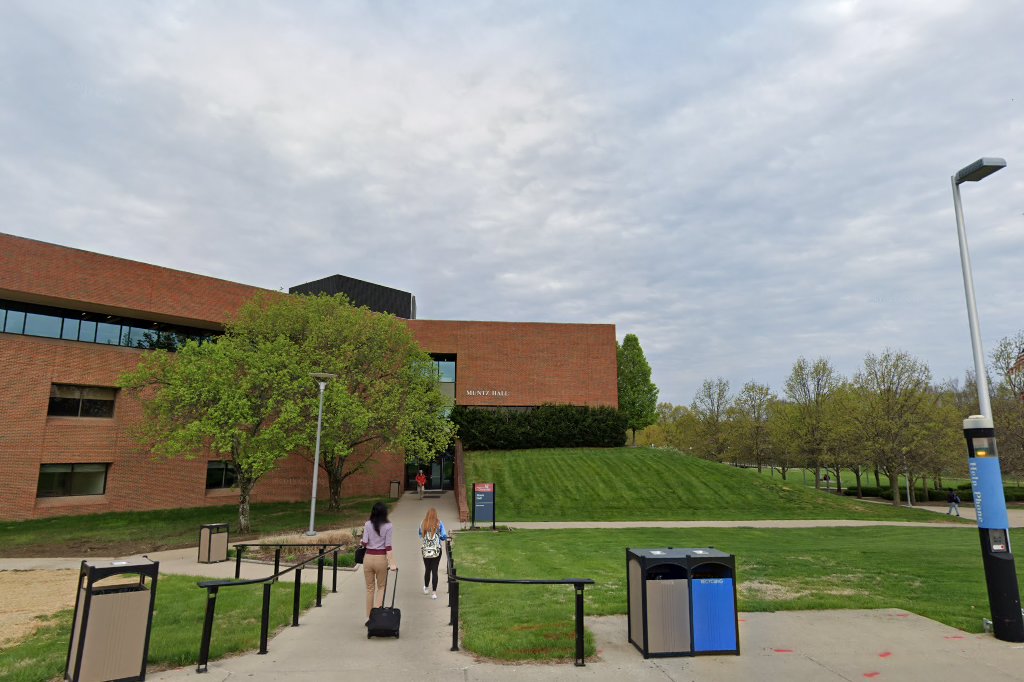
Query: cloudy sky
point(738, 184)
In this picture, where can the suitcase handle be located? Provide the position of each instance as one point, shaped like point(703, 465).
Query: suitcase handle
point(384, 595)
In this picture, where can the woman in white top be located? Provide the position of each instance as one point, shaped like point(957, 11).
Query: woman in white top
point(379, 558)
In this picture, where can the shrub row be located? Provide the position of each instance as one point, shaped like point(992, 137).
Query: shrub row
point(547, 426)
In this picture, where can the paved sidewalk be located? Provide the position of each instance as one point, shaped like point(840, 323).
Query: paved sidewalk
point(331, 643)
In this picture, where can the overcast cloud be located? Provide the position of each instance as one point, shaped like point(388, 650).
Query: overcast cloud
point(738, 184)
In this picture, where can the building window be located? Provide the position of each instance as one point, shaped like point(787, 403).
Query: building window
point(68, 480)
point(220, 474)
point(76, 325)
point(81, 401)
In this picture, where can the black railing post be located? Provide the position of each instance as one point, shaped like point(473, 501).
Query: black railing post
point(277, 561)
point(579, 624)
point(334, 579)
point(295, 601)
point(238, 560)
point(265, 622)
point(204, 644)
point(319, 578)
point(455, 615)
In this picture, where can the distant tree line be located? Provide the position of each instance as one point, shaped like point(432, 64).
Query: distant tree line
point(888, 418)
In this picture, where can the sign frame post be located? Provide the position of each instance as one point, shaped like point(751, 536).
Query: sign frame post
point(483, 499)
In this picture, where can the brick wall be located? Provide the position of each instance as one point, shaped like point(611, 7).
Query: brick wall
point(526, 363)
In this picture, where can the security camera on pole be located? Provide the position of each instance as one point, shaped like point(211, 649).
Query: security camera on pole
point(983, 458)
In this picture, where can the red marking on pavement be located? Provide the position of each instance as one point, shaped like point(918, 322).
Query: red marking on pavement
point(954, 637)
point(903, 615)
point(885, 654)
point(783, 651)
point(743, 620)
point(872, 674)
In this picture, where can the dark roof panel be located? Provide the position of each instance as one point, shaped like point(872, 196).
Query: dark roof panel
point(376, 297)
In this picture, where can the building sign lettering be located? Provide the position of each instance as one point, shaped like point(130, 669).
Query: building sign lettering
point(487, 393)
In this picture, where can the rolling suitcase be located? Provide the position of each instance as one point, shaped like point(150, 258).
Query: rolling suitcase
point(385, 620)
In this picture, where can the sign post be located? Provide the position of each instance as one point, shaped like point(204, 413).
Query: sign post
point(483, 504)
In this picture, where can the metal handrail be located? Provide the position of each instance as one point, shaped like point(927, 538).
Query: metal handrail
point(242, 546)
point(213, 586)
point(453, 599)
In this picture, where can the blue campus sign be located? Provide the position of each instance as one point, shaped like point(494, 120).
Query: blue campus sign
point(987, 484)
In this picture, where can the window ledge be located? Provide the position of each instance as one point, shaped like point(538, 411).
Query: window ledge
point(222, 492)
point(71, 501)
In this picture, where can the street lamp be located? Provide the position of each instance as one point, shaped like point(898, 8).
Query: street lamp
point(322, 379)
point(982, 456)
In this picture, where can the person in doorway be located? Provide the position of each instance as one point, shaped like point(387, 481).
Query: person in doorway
point(432, 532)
point(954, 502)
point(379, 558)
point(421, 483)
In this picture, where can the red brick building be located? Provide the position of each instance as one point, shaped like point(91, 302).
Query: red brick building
point(71, 322)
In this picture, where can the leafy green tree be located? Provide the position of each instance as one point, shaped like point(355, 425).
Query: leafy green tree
point(238, 397)
point(638, 396)
point(1008, 403)
point(384, 396)
point(896, 415)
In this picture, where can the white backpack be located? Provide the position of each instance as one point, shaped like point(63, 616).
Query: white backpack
point(430, 545)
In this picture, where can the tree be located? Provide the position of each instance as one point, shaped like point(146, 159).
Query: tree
point(638, 396)
point(749, 423)
point(710, 408)
point(895, 396)
point(809, 387)
point(1008, 403)
point(384, 396)
point(238, 397)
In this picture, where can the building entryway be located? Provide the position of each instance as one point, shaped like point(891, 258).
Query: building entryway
point(440, 473)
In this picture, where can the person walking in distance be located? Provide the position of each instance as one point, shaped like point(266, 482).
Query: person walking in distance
point(432, 532)
point(379, 558)
point(421, 483)
point(954, 502)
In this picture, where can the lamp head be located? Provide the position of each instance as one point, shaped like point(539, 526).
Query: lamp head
point(323, 376)
point(982, 168)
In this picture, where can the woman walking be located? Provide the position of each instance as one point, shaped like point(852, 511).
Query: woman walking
point(379, 559)
point(432, 532)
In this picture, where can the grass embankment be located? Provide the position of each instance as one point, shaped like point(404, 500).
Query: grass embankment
point(636, 484)
point(126, 533)
point(177, 628)
point(933, 572)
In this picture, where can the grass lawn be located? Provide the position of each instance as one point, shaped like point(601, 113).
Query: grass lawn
point(177, 628)
point(622, 484)
point(125, 533)
point(935, 572)
point(806, 477)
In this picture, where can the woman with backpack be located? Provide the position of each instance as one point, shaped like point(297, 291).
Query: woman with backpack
point(432, 532)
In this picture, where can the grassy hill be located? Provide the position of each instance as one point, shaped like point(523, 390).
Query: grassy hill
point(635, 484)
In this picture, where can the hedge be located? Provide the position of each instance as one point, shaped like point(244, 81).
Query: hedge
point(547, 426)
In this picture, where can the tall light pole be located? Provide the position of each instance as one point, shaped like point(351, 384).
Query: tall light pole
point(982, 456)
point(322, 379)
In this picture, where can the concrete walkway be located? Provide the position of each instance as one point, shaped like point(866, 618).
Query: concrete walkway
point(887, 644)
point(331, 643)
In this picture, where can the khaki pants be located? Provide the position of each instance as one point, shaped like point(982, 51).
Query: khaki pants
point(375, 570)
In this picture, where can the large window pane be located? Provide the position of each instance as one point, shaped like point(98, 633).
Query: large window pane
point(81, 401)
point(15, 323)
point(42, 325)
point(70, 330)
point(220, 474)
point(108, 333)
point(89, 479)
point(446, 371)
point(87, 331)
point(65, 401)
point(53, 479)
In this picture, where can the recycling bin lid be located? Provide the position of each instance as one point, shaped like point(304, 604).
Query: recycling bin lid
point(679, 553)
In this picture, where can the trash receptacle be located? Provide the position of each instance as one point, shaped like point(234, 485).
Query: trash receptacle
point(681, 602)
point(213, 543)
point(396, 490)
point(113, 617)
point(658, 599)
point(713, 602)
